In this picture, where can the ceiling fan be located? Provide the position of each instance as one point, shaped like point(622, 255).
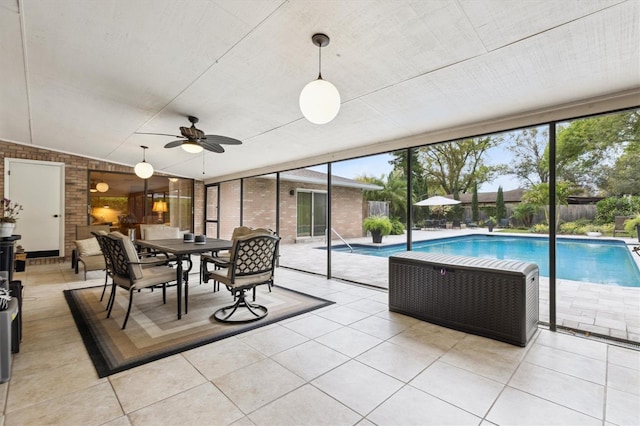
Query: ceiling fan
point(194, 140)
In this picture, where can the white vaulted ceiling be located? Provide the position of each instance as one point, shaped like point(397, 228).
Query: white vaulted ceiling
point(83, 76)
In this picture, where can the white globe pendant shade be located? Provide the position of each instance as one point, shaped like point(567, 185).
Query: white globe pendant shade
point(102, 187)
point(143, 170)
point(319, 101)
point(191, 147)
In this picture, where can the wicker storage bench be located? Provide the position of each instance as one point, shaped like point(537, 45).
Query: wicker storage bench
point(488, 297)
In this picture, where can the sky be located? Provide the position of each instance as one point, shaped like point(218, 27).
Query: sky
point(378, 165)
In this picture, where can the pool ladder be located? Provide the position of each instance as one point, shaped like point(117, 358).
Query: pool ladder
point(343, 240)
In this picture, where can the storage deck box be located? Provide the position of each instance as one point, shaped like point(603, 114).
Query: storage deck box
point(489, 297)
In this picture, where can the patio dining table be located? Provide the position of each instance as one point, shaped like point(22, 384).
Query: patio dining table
point(183, 250)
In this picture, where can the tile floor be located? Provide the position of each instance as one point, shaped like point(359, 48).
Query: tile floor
point(349, 363)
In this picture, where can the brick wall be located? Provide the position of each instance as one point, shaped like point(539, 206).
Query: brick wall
point(76, 175)
point(259, 207)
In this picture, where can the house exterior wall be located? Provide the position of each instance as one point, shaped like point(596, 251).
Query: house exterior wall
point(75, 189)
point(259, 207)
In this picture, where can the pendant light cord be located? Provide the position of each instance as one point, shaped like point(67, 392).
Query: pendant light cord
point(319, 61)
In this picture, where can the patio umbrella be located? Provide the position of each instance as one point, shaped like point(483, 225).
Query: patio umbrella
point(437, 200)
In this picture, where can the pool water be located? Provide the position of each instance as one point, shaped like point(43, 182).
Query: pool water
point(594, 261)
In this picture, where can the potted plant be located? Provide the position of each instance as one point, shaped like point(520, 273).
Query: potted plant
point(378, 226)
point(633, 225)
point(9, 216)
point(491, 222)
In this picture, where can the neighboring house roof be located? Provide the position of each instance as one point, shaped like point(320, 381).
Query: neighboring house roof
point(512, 196)
point(312, 176)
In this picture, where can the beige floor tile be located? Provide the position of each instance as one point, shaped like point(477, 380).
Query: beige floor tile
point(222, 357)
point(92, 405)
point(342, 314)
point(203, 404)
point(625, 357)
point(244, 421)
point(517, 407)
point(342, 298)
point(411, 406)
point(45, 339)
point(150, 383)
point(622, 408)
point(396, 361)
point(379, 327)
point(313, 326)
point(486, 357)
point(257, 384)
point(273, 340)
point(570, 363)
point(310, 359)
point(305, 406)
point(578, 345)
point(368, 306)
point(349, 341)
point(428, 339)
point(33, 361)
point(447, 382)
point(119, 421)
point(624, 379)
point(28, 389)
point(586, 397)
point(358, 386)
point(4, 387)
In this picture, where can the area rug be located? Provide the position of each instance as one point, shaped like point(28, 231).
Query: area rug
point(154, 332)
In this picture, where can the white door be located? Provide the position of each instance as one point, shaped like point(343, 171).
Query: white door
point(39, 187)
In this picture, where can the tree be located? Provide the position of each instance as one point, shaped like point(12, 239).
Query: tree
point(624, 177)
point(538, 195)
point(530, 156)
point(475, 213)
point(456, 166)
point(501, 210)
point(394, 191)
point(585, 148)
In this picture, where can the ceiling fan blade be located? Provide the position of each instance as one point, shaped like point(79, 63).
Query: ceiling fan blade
point(157, 134)
point(211, 146)
point(222, 140)
point(174, 143)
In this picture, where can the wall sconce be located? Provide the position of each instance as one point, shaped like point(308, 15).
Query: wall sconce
point(292, 192)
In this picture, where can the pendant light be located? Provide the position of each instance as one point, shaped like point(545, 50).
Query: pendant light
point(319, 99)
point(143, 169)
point(102, 186)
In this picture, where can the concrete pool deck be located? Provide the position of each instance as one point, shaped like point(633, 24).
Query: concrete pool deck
point(594, 308)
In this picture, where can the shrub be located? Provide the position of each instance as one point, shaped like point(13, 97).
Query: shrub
point(608, 208)
point(540, 228)
point(397, 227)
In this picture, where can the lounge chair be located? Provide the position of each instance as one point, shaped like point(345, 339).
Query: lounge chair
point(618, 227)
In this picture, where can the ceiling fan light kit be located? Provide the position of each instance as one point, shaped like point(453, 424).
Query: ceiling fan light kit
point(143, 169)
point(192, 147)
point(319, 99)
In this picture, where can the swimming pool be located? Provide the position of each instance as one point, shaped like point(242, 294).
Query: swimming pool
point(594, 261)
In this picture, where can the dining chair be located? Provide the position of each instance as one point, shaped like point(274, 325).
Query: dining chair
point(129, 273)
point(252, 263)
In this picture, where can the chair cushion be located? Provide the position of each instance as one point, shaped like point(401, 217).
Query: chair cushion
point(162, 232)
point(88, 247)
point(152, 276)
point(132, 254)
point(224, 276)
point(92, 263)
